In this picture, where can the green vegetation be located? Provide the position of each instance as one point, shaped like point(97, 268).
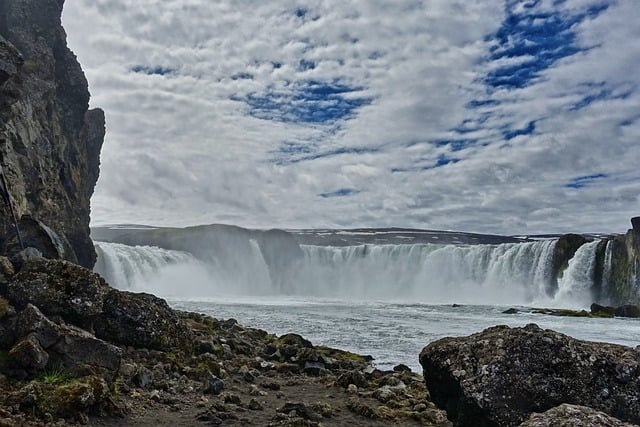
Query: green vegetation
point(55, 375)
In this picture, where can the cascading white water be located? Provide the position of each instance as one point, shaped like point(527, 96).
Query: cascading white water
point(513, 273)
point(607, 268)
point(150, 269)
point(507, 273)
point(574, 287)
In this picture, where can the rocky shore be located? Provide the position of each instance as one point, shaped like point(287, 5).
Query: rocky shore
point(75, 351)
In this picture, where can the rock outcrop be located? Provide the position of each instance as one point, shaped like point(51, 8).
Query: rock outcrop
point(50, 308)
point(502, 375)
point(619, 262)
point(567, 415)
point(49, 140)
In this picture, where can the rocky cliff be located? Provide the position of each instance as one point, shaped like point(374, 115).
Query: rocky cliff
point(49, 140)
point(618, 259)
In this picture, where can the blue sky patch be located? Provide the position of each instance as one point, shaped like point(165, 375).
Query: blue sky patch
point(455, 144)
point(287, 152)
point(340, 193)
point(307, 101)
point(583, 181)
point(539, 37)
point(510, 133)
point(157, 70)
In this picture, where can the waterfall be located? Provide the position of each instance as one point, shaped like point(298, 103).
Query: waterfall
point(150, 269)
point(509, 273)
point(574, 287)
point(607, 269)
point(506, 273)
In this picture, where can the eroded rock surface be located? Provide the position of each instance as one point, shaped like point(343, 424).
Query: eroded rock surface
point(502, 375)
point(567, 415)
point(49, 139)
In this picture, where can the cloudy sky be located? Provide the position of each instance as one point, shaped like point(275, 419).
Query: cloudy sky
point(475, 115)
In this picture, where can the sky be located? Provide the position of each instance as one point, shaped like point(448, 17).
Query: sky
point(490, 116)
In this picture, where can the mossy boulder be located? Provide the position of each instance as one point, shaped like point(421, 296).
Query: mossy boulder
point(72, 400)
point(58, 288)
point(143, 321)
point(502, 375)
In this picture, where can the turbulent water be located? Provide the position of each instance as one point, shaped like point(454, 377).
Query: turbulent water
point(387, 300)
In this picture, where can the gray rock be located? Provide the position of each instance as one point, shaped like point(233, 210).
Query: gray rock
point(627, 311)
point(142, 321)
point(32, 321)
point(567, 415)
point(6, 269)
point(51, 154)
point(24, 256)
point(502, 375)
point(143, 378)
point(59, 288)
point(214, 385)
point(314, 368)
point(65, 346)
point(29, 355)
point(82, 353)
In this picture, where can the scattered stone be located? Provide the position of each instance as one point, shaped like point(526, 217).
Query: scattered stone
point(299, 409)
point(143, 378)
point(314, 368)
point(255, 405)
point(356, 406)
point(352, 389)
point(270, 385)
point(356, 378)
point(401, 368)
point(214, 385)
point(384, 394)
point(511, 311)
point(232, 398)
point(294, 340)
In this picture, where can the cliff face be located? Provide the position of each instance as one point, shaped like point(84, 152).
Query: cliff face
point(49, 140)
point(621, 257)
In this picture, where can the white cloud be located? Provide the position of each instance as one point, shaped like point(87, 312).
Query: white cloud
point(186, 143)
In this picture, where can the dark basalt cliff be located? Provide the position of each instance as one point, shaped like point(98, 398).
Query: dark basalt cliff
point(618, 268)
point(49, 140)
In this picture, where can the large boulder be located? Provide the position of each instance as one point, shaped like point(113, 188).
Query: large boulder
point(567, 415)
point(37, 343)
point(502, 375)
point(58, 288)
point(143, 321)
